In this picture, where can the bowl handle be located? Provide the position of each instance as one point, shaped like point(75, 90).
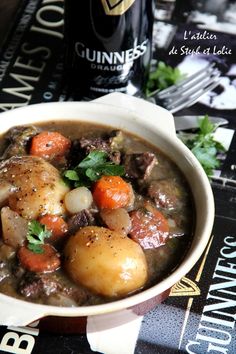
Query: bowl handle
point(154, 115)
point(21, 316)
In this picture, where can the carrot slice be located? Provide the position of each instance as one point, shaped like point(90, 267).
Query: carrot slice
point(111, 192)
point(48, 261)
point(149, 227)
point(56, 224)
point(49, 144)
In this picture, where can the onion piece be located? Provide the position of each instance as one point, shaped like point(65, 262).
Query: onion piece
point(5, 190)
point(78, 199)
point(6, 252)
point(14, 227)
point(61, 300)
point(116, 219)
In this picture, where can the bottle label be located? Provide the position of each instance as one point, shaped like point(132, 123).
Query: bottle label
point(111, 58)
point(110, 69)
point(116, 7)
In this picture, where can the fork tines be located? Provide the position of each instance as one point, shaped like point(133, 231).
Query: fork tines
point(189, 90)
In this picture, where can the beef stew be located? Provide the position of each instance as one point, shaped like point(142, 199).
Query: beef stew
point(88, 214)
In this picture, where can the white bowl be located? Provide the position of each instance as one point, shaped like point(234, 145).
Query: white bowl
point(155, 125)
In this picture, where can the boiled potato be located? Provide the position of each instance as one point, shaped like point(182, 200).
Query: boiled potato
point(37, 186)
point(105, 261)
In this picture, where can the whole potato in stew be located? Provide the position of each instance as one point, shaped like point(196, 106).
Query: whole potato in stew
point(37, 187)
point(107, 262)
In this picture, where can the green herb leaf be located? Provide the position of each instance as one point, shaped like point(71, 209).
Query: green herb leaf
point(109, 169)
point(163, 77)
point(92, 174)
point(35, 248)
point(72, 175)
point(36, 235)
point(205, 125)
point(93, 167)
point(94, 158)
point(105, 169)
point(203, 145)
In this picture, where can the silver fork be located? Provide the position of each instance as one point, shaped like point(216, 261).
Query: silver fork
point(187, 91)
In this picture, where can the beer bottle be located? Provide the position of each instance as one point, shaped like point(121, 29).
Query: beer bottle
point(108, 46)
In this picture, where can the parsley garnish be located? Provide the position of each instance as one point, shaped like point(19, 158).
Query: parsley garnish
point(92, 167)
point(203, 145)
point(163, 77)
point(36, 235)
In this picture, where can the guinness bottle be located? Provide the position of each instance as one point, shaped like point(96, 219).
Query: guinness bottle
point(108, 46)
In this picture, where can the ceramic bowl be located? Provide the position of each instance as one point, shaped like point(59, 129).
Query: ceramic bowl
point(156, 125)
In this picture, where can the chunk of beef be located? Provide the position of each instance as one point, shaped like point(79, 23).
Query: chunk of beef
point(149, 227)
point(139, 165)
point(35, 285)
point(17, 139)
point(166, 193)
point(83, 218)
point(57, 291)
point(97, 143)
point(108, 144)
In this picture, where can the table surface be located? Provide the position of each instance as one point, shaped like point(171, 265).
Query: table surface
point(162, 330)
point(8, 10)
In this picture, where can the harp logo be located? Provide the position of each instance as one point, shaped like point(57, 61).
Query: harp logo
point(116, 7)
